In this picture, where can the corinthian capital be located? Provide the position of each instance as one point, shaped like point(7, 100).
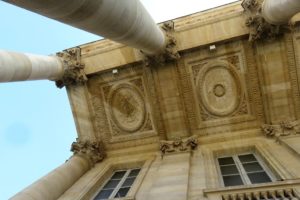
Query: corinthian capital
point(259, 28)
point(73, 68)
point(179, 145)
point(170, 53)
point(284, 128)
point(91, 150)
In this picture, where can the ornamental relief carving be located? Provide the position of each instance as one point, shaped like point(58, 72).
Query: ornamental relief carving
point(219, 88)
point(126, 108)
point(284, 128)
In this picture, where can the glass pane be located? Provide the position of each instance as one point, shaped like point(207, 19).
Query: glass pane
point(232, 180)
point(111, 184)
point(134, 172)
point(103, 194)
point(229, 169)
point(122, 192)
point(260, 177)
point(118, 175)
point(247, 158)
point(128, 182)
point(252, 167)
point(226, 161)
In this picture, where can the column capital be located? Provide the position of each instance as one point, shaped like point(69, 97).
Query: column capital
point(91, 150)
point(283, 128)
point(170, 53)
point(73, 68)
point(260, 29)
point(178, 145)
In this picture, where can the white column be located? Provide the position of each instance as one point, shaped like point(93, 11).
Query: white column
point(19, 67)
point(124, 21)
point(280, 11)
point(53, 185)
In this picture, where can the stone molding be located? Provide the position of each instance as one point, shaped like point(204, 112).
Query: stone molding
point(178, 145)
point(73, 68)
point(91, 150)
point(232, 101)
point(284, 128)
point(170, 52)
point(260, 29)
point(127, 106)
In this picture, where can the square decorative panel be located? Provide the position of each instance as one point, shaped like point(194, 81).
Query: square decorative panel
point(122, 105)
point(219, 88)
point(225, 93)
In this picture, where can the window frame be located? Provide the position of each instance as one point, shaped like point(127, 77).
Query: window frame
point(119, 185)
point(242, 172)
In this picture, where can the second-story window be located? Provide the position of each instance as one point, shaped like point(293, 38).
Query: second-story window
point(242, 170)
point(118, 185)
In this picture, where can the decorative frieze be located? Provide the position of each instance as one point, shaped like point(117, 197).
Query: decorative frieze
point(170, 52)
point(284, 128)
point(92, 150)
point(178, 145)
point(260, 29)
point(74, 73)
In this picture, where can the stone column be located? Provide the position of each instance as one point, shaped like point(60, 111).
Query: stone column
point(65, 68)
point(20, 67)
point(279, 12)
point(54, 184)
point(125, 21)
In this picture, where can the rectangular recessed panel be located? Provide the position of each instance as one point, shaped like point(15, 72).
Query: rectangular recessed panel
point(103, 194)
point(226, 161)
point(229, 169)
point(247, 158)
point(232, 180)
point(122, 192)
point(260, 177)
point(252, 167)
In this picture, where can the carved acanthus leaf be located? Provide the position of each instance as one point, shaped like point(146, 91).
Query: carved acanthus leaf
point(73, 69)
point(178, 145)
point(284, 128)
point(260, 29)
point(170, 52)
point(92, 150)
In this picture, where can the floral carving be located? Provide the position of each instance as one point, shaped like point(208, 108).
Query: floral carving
point(284, 128)
point(73, 69)
point(260, 29)
point(178, 145)
point(91, 150)
point(127, 107)
point(170, 52)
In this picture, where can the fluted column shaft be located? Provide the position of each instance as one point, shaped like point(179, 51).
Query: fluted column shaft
point(279, 11)
point(54, 184)
point(19, 67)
point(125, 21)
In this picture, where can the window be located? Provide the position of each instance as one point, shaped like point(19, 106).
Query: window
point(242, 170)
point(118, 185)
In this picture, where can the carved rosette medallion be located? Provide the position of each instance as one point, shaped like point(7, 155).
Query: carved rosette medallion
point(219, 88)
point(127, 107)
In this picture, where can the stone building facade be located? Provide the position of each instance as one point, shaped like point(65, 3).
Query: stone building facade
point(215, 117)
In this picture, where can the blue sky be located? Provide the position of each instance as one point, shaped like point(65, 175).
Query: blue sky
point(36, 124)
